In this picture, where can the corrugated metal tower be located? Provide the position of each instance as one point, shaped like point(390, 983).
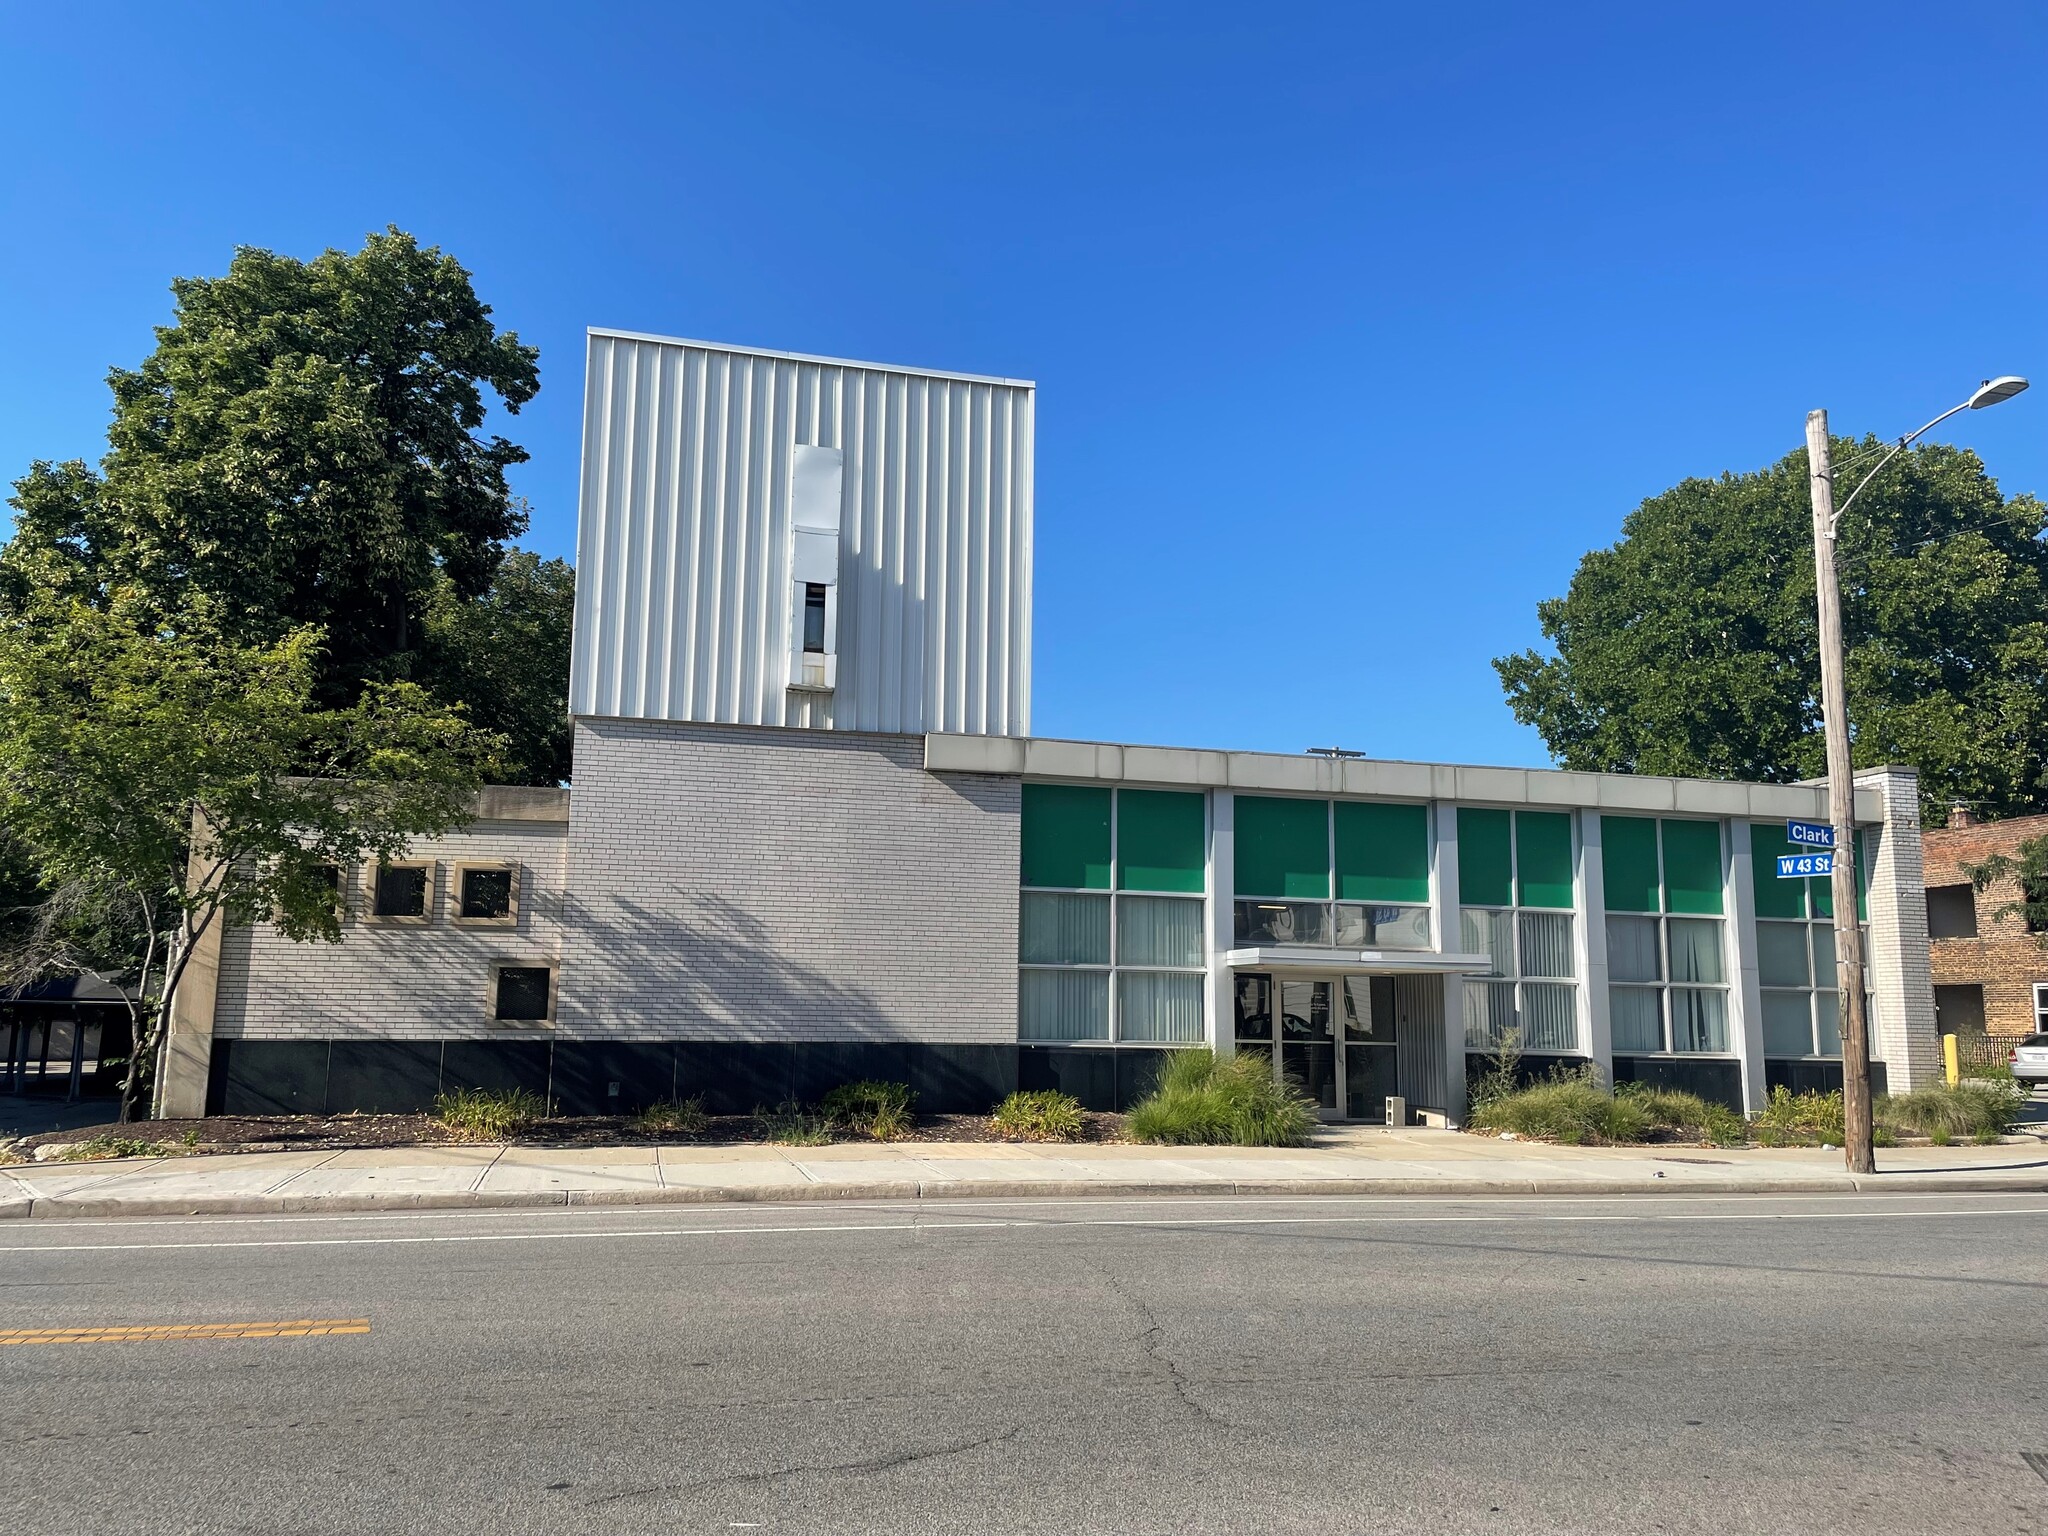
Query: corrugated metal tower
point(772, 539)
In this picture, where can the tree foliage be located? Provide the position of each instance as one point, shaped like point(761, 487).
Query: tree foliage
point(302, 447)
point(1690, 646)
point(2024, 872)
point(505, 657)
point(178, 777)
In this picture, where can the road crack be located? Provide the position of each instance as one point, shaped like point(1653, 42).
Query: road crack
point(1152, 1340)
point(869, 1464)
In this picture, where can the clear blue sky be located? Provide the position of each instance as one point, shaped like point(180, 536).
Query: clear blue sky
point(1354, 327)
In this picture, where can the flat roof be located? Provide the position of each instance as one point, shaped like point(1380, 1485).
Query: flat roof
point(808, 357)
point(1039, 757)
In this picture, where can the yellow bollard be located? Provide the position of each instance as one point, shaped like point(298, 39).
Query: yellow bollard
point(1951, 1060)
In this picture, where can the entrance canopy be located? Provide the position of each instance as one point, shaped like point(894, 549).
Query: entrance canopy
point(1382, 962)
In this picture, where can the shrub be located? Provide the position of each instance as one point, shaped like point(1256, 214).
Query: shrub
point(789, 1124)
point(1687, 1114)
point(489, 1114)
point(880, 1110)
point(1237, 1101)
point(1799, 1119)
point(684, 1117)
point(1044, 1114)
point(1977, 1106)
point(1569, 1107)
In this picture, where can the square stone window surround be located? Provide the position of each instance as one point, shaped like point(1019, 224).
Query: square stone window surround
point(369, 893)
point(521, 963)
point(489, 866)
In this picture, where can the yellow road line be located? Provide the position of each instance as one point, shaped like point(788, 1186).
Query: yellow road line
point(299, 1328)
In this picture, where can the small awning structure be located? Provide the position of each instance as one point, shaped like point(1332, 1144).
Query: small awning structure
point(1381, 962)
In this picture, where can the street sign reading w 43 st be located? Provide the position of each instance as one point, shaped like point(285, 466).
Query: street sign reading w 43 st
point(1797, 866)
point(1809, 834)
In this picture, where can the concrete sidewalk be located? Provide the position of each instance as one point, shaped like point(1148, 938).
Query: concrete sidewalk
point(1348, 1161)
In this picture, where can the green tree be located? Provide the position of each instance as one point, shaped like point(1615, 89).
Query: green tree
point(168, 779)
point(302, 447)
point(1690, 646)
point(2027, 871)
point(505, 657)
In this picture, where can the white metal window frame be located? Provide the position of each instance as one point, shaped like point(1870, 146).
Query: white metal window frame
point(1515, 910)
point(1116, 966)
point(1814, 991)
point(1664, 986)
point(1330, 903)
point(2041, 1007)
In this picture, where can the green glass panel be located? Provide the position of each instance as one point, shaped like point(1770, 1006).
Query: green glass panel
point(1543, 859)
point(1159, 838)
point(1485, 860)
point(1065, 836)
point(1824, 890)
point(1774, 897)
point(1692, 866)
point(1628, 861)
point(1382, 852)
point(1283, 847)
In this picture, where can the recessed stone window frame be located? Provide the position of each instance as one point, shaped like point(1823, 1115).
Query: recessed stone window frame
point(374, 872)
point(524, 963)
point(457, 881)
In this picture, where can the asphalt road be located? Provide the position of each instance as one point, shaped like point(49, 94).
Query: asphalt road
point(1866, 1364)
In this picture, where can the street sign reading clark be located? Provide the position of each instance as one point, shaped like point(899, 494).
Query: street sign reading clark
point(1797, 866)
point(1809, 834)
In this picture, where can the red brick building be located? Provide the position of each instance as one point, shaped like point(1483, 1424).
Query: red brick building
point(1990, 972)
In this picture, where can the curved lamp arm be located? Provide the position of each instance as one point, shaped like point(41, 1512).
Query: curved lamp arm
point(1990, 392)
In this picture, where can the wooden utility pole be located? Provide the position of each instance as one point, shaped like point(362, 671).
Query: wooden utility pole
point(1857, 1146)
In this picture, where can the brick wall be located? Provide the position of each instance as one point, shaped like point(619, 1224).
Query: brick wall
point(399, 982)
point(2004, 959)
point(756, 884)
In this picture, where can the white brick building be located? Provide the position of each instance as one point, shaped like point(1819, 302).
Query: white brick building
point(811, 838)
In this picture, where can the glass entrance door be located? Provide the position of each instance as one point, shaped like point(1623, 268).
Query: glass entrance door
point(1326, 1034)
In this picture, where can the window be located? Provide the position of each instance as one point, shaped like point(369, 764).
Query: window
point(1959, 1010)
point(2040, 1010)
point(1951, 912)
point(2034, 894)
point(1353, 874)
point(1112, 938)
point(814, 617)
point(1667, 971)
point(487, 895)
point(523, 993)
point(1795, 950)
point(401, 893)
point(1516, 905)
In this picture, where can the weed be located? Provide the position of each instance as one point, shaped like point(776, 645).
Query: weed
point(789, 1124)
point(1043, 1114)
point(488, 1114)
point(1503, 1067)
point(880, 1110)
point(1235, 1101)
point(112, 1146)
point(684, 1117)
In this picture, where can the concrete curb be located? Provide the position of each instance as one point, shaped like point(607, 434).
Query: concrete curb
point(59, 1207)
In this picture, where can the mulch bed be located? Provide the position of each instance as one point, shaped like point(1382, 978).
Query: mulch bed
point(324, 1133)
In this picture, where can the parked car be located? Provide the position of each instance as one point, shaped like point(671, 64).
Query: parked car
point(2030, 1060)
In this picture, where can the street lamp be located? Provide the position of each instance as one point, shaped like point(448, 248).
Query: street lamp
point(1857, 1146)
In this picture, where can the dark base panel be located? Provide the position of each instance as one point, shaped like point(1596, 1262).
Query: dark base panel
point(1815, 1076)
point(1718, 1082)
point(597, 1077)
point(1109, 1080)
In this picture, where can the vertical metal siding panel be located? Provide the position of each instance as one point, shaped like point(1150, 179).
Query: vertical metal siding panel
point(1027, 502)
point(618, 604)
point(917, 481)
point(696, 368)
point(711, 595)
point(638, 504)
point(894, 517)
point(590, 526)
point(661, 549)
point(997, 706)
point(675, 429)
point(752, 566)
point(974, 661)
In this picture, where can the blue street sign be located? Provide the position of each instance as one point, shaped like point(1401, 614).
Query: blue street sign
point(1797, 866)
point(1810, 834)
